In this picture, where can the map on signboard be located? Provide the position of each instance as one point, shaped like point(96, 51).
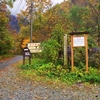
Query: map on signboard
point(78, 41)
point(34, 47)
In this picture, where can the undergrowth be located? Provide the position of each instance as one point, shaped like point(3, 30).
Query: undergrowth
point(4, 56)
point(50, 71)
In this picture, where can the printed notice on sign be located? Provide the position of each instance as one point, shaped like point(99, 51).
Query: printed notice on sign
point(34, 47)
point(78, 41)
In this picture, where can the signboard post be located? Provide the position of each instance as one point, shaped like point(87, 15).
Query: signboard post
point(79, 39)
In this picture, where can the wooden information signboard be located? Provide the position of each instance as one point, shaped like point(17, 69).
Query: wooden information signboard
point(79, 39)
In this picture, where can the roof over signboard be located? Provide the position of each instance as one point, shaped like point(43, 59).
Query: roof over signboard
point(78, 33)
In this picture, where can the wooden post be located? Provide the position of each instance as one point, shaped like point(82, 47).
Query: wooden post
point(30, 60)
point(23, 59)
point(72, 56)
point(86, 44)
point(65, 50)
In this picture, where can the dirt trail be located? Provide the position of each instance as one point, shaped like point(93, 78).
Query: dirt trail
point(6, 63)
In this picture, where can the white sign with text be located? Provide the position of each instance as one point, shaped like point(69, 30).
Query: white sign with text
point(34, 47)
point(78, 41)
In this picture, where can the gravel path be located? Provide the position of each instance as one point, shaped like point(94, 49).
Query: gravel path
point(14, 88)
point(15, 59)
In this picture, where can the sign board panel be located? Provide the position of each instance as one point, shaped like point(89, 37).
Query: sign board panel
point(78, 41)
point(34, 47)
point(26, 53)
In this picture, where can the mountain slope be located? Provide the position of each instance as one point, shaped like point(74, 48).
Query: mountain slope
point(14, 23)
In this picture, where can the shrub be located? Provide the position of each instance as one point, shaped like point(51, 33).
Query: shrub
point(94, 60)
point(52, 71)
point(50, 51)
point(79, 57)
point(0, 57)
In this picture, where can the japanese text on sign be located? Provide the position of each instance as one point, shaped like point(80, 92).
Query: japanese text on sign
point(78, 41)
point(34, 47)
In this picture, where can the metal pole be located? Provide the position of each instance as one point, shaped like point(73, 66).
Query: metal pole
point(31, 21)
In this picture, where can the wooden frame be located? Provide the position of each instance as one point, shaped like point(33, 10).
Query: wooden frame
point(78, 41)
point(84, 44)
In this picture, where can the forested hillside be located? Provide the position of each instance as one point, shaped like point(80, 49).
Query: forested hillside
point(8, 35)
point(72, 16)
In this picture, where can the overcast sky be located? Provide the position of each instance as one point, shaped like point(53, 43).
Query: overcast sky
point(20, 4)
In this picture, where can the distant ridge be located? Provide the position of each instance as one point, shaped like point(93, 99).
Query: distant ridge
point(14, 23)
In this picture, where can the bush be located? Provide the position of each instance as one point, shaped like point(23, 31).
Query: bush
point(93, 76)
point(79, 57)
point(7, 44)
point(50, 51)
point(52, 71)
point(0, 57)
point(94, 60)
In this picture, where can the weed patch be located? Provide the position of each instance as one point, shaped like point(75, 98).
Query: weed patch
point(58, 72)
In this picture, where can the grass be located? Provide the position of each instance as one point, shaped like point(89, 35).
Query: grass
point(48, 72)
